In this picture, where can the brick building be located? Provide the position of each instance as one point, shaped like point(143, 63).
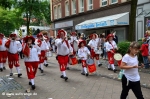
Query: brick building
point(88, 16)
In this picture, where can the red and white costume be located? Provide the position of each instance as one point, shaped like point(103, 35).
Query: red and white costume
point(13, 48)
point(93, 43)
point(83, 52)
point(72, 39)
point(3, 52)
point(110, 46)
point(31, 58)
point(63, 50)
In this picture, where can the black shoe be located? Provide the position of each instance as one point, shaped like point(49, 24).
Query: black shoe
point(82, 73)
point(115, 70)
point(61, 76)
point(1, 69)
point(30, 83)
point(4, 68)
point(66, 78)
point(11, 74)
point(87, 74)
point(39, 68)
point(19, 75)
point(99, 65)
point(33, 87)
point(46, 65)
point(109, 68)
point(42, 71)
point(68, 68)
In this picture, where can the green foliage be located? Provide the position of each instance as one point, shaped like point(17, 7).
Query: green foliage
point(123, 47)
point(6, 3)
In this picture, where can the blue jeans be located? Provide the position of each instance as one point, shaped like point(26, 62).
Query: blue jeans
point(146, 61)
point(105, 54)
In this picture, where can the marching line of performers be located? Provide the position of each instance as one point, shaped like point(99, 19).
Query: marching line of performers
point(35, 50)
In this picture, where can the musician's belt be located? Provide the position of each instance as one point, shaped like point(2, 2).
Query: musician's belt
point(62, 55)
point(12, 53)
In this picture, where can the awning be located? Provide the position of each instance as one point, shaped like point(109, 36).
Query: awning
point(118, 19)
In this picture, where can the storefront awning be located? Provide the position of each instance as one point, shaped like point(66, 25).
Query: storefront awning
point(118, 19)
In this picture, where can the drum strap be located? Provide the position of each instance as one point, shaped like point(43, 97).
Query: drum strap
point(67, 43)
point(111, 45)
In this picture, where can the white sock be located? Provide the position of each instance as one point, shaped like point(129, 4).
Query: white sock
point(67, 64)
point(41, 65)
point(112, 66)
point(64, 73)
point(32, 81)
point(0, 65)
point(10, 70)
point(98, 62)
point(82, 70)
point(45, 61)
point(109, 65)
point(18, 70)
point(85, 69)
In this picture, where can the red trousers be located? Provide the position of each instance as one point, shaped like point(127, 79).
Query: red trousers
point(63, 60)
point(94, 55)
point(83, 63)
point(13, 59)
point(110, 57)
point(42, 56)
point(31, 68)
point(3, 56)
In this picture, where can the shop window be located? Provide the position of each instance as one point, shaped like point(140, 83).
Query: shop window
point(114, 1)
point(67, 8)
point(104, 2)
point(81, 5)
point(59, 11)
point(55, 12)
point(73, 6)
point(90, 4)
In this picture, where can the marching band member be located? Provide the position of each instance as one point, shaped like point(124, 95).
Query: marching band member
point(13, 47)
point(93, 43)
point(63, 51)
point(44, 48)
point(31, 52)
point(83, 52)
point(111, 46)
point(72, 39)
point(3, 52)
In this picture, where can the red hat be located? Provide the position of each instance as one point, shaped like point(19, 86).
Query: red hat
point(110, 35)
point(12, 35)
point(96, 36)
point(73, 33)
point(39, 35)
point(2, 35)
point(62, 31)
point(29, 37)
point(83, 41)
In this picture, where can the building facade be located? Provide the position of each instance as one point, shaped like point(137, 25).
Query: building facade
point(142, 18)
point(88, 16)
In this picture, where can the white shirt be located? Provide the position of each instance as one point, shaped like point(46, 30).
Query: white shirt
point(2, 47)
point(34, 52)
point(93, 44)
point(44, 46)
point(15, 46)
point(62, 48)
point(131, 74)
point(109, 46)
point(83, 52)
point(73, 38)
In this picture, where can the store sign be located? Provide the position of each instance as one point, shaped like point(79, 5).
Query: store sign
point(64, 24)
point(147, 24)
point(122, 23)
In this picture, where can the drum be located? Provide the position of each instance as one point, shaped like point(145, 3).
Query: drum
point(75, 46)
point(89, 61)
point(117, 56)
point(91, 65)
point(98, 52)
point(72, 60)
point(49, 54)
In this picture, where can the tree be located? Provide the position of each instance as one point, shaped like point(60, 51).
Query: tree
point(6, 3)
point(32, 9)
point(132, 20)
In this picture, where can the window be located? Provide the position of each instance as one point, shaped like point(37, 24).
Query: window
point(55, 12)
point(59, 11)
point(67, 8)
point(81, 6)
point(104, 2)
point(114, 1)
point(73, 6)
point(90, 4)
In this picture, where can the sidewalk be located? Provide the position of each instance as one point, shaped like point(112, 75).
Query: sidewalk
point(49, 85)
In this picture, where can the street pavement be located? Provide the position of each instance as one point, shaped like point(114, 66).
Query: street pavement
point(49, 85)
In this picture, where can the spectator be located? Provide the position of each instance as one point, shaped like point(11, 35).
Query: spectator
point(115, 37)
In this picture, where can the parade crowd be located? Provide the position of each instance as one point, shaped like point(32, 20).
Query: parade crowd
point(74, 50)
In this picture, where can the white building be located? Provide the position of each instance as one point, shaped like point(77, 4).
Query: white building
point(142, 18)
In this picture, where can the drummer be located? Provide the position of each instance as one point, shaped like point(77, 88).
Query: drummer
point(93, 43)
point(72, 39)
point(111, 46)
point(83, 52)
